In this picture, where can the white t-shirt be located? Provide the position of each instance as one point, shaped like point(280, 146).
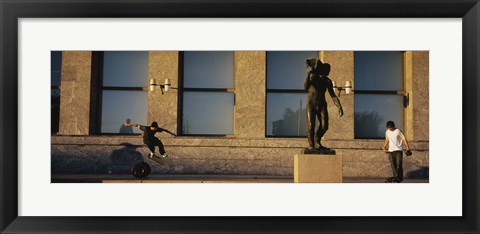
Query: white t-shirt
point(395, 140)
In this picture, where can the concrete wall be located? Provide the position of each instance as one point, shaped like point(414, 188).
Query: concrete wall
point(207, 155)
point(248, 151)
point(163, 108)
point(420, 87)
point(250, 92)
point(75, 93)
point(341, 63)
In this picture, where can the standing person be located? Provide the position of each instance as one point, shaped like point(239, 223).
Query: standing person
point(394, 146)
point(149, 138)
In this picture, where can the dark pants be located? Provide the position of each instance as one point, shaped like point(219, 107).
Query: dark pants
point(313, 112)
point(396, 160)
point(151, 143)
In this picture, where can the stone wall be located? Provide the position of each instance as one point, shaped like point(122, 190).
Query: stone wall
point(163, 108)
point(341, 63)
point(420, 88)
point(250, 75)
point(195, 155)
point(75, 93)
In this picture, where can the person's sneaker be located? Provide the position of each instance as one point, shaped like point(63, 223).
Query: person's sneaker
point(150, 155)
point(164, 155)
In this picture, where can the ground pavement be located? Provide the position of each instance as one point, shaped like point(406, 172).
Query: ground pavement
point(158, 178)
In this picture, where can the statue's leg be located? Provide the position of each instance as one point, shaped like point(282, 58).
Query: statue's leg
point(323, 126)
point(310, 126)
point(318, 133)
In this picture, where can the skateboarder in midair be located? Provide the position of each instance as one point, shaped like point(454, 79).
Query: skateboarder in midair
point(149, 137)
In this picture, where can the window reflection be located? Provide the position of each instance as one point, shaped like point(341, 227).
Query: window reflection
point(55, 110)
point(208, 98)
point(56, 67)
point(286, 114)
point(378, 70)
point(372, 111)
point(208, 113)
point(287, 69)
point(208, 69)
point(125, 68)
point(55, 75)
point(121, 106)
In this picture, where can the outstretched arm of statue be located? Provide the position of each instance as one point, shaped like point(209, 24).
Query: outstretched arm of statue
point(335, 99)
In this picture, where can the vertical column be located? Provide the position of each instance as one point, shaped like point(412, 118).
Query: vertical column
point(250, 78)
point(342, 65)
point(163, 108)
point(420, 94)
point(75, 93)
point(408, 112)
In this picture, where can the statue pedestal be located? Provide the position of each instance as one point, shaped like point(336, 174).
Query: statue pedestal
point(318, 151)
point(317, 168)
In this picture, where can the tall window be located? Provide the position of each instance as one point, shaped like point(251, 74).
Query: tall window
point(55, 74)
point(286, 96)
point(208, 93)
point(379, 82)
point(125, 74)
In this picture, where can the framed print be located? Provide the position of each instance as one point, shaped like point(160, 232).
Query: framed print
point(209, 116)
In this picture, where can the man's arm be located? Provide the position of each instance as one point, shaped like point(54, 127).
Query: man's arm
point(165, 130)
point(404, 140)
point(385, 146)
point(335, 99)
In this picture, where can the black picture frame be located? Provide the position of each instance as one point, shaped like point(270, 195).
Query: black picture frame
point(11, 11)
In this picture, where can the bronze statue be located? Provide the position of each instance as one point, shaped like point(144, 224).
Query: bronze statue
point(317, 83)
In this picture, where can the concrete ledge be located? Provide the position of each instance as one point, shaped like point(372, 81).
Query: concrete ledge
point(317, 168)
point(186, 141)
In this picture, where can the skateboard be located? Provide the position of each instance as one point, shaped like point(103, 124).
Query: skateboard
point(141, 170)
point(159, 160)
point(392, 180)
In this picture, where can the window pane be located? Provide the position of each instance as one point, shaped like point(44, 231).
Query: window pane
point(207, 113)
point(208, 69)
point(287, 69)
point(378, 70)
point(55, 110)
point(56, 67)
point(125, 68)
point(372, 111)
point(286, 114)
point(121, 106)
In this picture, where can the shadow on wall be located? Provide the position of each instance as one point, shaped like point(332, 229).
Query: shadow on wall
point(124, 159)
point(422, 172)
point(367, 123)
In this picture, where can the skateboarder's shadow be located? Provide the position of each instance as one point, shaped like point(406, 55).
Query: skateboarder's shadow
point(123, 159)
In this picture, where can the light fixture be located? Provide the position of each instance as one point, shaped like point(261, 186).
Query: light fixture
point(163, 87)
point(348, 87)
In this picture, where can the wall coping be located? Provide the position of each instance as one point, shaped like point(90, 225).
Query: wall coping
point(189, 141)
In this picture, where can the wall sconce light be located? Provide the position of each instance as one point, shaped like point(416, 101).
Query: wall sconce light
point(163, 87)
point(348, 87)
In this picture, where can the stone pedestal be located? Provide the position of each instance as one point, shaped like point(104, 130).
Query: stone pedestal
point(317, 168)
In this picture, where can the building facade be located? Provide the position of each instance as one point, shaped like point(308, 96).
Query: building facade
point(235, 112)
